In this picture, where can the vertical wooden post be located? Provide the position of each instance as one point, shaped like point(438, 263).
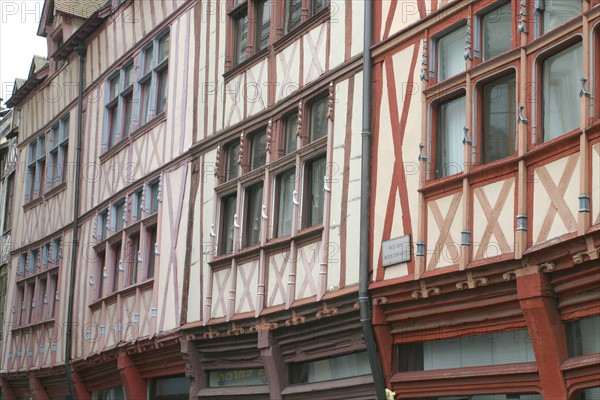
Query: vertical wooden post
point(37, 389)
point(272, 359)
point(133, 384)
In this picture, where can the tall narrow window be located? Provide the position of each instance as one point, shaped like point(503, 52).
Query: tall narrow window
point(451, 48)
point(318, 119)
point(145, 85)
point(129, 77)
point(557, 12)
point(114, 87)
point(317, 5)
point(102, 228)
point(162, 73)
point(285, 184)
point(290, 139)
point(252, 220)
point(263, 23)
point(36, 168)
point(228, 205)
point(451, 121)
point(561, 75)
point(497, 31)
point(116, 252)
point(258, 150)
point(293, 14)
point(52, 293)
point(10, 182)
point(150, 252)
point(132, 249)
point(59, 138)
point(42, 299)
point(314, 192)
point(20, 303)
point(56, 250)
point(499, 119)
point(153, 189)
point(119, 212)
point(241, 36)
point(30, 304)
point(231, 166)
point(138, 204)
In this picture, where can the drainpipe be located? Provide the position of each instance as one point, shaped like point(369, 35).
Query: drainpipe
point(365, 204)
point(81, 50)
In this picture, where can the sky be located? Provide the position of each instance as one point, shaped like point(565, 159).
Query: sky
point(19, 20)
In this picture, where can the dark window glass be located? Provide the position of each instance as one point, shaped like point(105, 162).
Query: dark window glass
point(163, 79)
point(316, 6)
point(258, 150)
point(9, 203)
point(291, 125)
point(293, 14)
point(170, 388)
point(253, 214)
point(583, 336)
point(228, 205)
point(497, 31)
point(285, 185)
point(116, 250)
point(231, 167)
point(154, 197)
point(263, 24)
point(315, 174)
point(151, 254)
point(133, 249)
point(346, 366)
point(119, 213)
point(237, 377)
point(241, 37)
point(318, 119)
point(499, 119)
point(410, 357)
point(557, 12)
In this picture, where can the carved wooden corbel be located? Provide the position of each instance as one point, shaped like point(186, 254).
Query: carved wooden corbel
point(295, 320)
point(471, 283)
point(327, 312)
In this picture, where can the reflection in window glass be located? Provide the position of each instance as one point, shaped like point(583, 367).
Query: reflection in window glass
point(451, 49)
point(451, 121)
point(557, 12)
point(499, 119)
point(237, 377)
point(346, 366)
point(497, 31)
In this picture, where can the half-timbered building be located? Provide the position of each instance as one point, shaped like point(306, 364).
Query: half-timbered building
point(270, 291)
point(486, 171)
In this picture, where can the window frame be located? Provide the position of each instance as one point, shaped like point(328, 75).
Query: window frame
point(58, 152)
point(435, 131)
point(479, 30)
point(434, 56)
point(149, 79)
point(539, 15)
point(36, 166)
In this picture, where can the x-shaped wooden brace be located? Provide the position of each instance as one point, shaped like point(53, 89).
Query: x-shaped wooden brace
point(492, 215)
point(246, 282)
point(444, 224)
point(278, 272)
point(556, 194)
point(314, 52)
point(221, 289)
point(286, 68)
point(233, 96)
point(308, 266)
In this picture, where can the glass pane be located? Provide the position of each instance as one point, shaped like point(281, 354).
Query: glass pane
point(561, 74)
point(237, 377)
point(253, 214)
point(148, 59)
point(233, 152)
point(293, 14)
point(316, 6)
point(451, 50)
point(134, 247)
point(557, 12)
point(139, 205)
point(316, 175)
point(318, 119)
point(258, 154)
point(163, 48)
point(241, 38)
point(227, 231)
point(499, 119)
point(65, 126)
point(119, 212)
point(171, 388)
point(116, 261)
point(291, 125)
point(497, 31)
point(340, 367)
point(127, 108)
point(285, 183)
point(263, 24)
point(163, 79)
point(451, 121)
point(151, 254)
point(145, 98)
point(114, 126)
point(129, 75)
point(113, 88)
point(590, 394)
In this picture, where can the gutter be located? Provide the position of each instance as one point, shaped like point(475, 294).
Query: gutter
point(365, 205)
point(81, 50)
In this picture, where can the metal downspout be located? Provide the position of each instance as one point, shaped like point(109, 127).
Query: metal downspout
point(81, 50)
point(365, 192)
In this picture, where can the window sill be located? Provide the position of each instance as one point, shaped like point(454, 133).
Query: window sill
point(45, 196)
point(129, 290)
point(41, 271)
point(33, 325)
point(32, 203)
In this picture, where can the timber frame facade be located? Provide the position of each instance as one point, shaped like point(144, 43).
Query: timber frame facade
point(505, 248)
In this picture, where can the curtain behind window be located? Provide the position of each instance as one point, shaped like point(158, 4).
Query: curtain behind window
point(451, 49)
point(451, 121)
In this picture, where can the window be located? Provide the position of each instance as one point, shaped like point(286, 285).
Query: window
point(53, 293)
point(560, 92)
point(314, 190)
point(20, 303)
point(511, 396)
point(251, 26)
point(112, 108)
point(133, 248)
point(495, 348)
point(318, 119)
point(47, 252)
point(290, 137)
point(8, 205)
point(116, 265)
point(583, 336)
point(3, 282)
point(36, 167)
point(557, 12)
point(258, 150)
point(590, 394)
point(450, 54)
point(169, 388)
point(153, 189)
point(237, 377)
point(101, 272)
point(30, 303)
point(497, 31)
point(150, 251)
point(499, 119)
point(57, 250)
point(115, 393)
point(340, 367)
point(153, 83)
point(231, 170)
point(138, 204)
point(228, 204)
point(252, 214)
point(42, 300)
point(57, 161)
point(293, 14)
point(450, 124)
point(317, 5)
point(285, 185)
point(102, 225)
point(119, 213)
point(33, 260)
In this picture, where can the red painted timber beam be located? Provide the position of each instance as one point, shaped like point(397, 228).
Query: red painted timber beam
point(134, 385)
